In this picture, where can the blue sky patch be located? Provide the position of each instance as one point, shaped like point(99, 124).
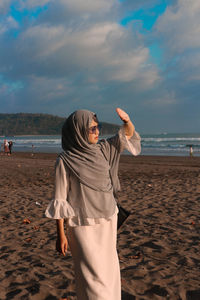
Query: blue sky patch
point(148, 17)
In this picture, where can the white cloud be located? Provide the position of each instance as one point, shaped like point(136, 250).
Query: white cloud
point(178, 30)
point(179, 26)
point(133, 66)
point(41, 41)
point(98, 48)
point(88, 6)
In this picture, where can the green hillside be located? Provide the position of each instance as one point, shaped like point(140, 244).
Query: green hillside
point(38, 124)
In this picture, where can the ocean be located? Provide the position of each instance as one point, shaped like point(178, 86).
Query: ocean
point(152, 144)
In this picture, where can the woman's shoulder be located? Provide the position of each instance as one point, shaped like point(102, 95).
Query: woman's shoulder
point(59, 161)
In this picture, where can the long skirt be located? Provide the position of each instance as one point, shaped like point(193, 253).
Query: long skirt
point(96, 263)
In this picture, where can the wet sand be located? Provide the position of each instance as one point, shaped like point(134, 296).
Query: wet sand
point(158, 246)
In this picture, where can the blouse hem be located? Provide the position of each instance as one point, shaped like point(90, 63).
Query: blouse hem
point(78, 221)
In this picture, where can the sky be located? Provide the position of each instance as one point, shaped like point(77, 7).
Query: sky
point(57, 56)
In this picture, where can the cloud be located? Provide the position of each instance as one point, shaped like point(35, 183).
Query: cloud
point(177, 31)
point(29, 4)
point(105, 51)
point(4, 6)
point(87, 6)
point(7, 24)
point(37, 95)
point(179, 27)
point(98, 49)
point(130, 5)
point(61, 55)
point(168, 100)
point(77, 12)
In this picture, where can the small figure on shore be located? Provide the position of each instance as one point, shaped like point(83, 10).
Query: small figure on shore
point(6, 148)
point(191, 150)
point(10, 145)
point(32, 153)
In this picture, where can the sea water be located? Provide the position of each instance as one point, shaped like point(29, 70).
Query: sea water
point(152, 144)
point(171, 144)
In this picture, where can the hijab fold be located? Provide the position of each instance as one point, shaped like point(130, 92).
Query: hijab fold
point(95, 165)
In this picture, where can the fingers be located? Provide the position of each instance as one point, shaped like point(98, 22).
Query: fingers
point(122, 114)
point(64, 248)
point(61, 247)
point(118, 109)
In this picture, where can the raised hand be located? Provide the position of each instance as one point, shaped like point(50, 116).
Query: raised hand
point(128, 126)
point(123, 115)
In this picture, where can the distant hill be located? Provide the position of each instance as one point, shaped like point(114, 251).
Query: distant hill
point(39, 124)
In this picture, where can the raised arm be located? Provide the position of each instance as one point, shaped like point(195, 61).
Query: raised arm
point(129, 128)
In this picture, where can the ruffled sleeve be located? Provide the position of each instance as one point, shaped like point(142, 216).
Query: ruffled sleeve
point(115, 145)
point(133, 145)
point(59, 207)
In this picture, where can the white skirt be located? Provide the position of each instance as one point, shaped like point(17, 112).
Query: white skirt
point(97, 271)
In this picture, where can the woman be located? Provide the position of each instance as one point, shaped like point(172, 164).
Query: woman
point(6, 149)
point(86, 182)
point(10, 145)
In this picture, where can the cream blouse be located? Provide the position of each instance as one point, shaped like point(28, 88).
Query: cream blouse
point(69, 193)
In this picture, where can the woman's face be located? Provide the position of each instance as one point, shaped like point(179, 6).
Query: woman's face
point(93, 135)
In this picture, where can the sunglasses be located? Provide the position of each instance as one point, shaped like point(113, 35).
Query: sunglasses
point(93, 129)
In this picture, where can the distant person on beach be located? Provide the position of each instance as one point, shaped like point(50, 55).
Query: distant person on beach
point(191, 150)
point(10, 145)
point(86, 183)
point(2, 148)
point(32, 153)
point(6, 148)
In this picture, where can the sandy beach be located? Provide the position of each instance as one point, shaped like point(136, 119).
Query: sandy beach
point(158, 246)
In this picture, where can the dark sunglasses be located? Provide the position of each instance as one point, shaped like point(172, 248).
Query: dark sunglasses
point(93, 129)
